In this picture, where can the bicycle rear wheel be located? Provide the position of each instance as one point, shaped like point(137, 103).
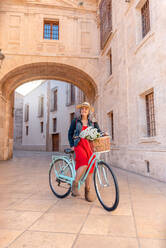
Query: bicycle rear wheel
point(106, 186)
point(60, 174)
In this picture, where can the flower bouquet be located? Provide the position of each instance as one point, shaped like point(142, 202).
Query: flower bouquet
point(97, 142)
point(90, 133)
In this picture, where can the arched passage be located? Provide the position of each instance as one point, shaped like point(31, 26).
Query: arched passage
point(49, 70)
point(30, 72)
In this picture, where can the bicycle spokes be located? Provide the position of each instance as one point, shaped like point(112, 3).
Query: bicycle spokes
point(60, 175)
point(102, 174)
point(106, 186)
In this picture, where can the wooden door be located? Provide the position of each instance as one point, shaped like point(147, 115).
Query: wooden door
point(55, 142)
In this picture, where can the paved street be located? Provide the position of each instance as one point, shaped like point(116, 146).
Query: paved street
point(32, 217)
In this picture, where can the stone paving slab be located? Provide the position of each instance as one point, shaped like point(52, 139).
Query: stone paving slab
point(105, 241)
point(32, 217)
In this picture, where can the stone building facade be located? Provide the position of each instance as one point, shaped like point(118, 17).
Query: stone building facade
point(47, 112)
point(133, 89)
point(113, 50)
point(18, 119)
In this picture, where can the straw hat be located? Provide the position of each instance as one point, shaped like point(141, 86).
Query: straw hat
point(85, 104)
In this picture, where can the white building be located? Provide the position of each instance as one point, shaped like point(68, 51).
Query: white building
point(18, 120)
point(47, 114)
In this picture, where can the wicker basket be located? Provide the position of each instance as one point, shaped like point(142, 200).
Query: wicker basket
point(101, 144)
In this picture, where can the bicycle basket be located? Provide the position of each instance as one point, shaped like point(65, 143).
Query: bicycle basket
point(101, 144)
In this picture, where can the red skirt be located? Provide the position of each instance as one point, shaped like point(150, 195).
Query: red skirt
point(83, 152)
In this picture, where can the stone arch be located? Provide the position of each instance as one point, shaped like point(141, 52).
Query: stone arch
point(48, 70)
point(30, 72)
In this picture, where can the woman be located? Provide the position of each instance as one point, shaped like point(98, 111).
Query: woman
point(82, 148)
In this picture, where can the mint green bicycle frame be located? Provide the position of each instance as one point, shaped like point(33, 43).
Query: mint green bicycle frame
point(70, 161)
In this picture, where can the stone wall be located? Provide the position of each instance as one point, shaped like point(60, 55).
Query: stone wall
point(137, 69)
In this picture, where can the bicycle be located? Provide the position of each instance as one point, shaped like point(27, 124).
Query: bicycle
point(62, 174)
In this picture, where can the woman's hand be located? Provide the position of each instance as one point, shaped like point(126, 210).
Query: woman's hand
point(72, 148)
point(104, 134)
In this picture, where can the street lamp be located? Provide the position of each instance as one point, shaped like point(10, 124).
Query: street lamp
point(2, 56)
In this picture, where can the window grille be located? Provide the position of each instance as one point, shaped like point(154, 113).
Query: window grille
point(105, 9)
point(150, 115)
point(145, 18)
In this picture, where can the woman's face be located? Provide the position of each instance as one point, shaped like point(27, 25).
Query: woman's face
point(84, 111)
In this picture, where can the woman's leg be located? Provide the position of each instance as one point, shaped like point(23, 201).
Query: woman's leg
point(80, 173)
point(89, 196)
point(88, 180)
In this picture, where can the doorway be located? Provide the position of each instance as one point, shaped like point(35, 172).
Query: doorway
point(55, 142)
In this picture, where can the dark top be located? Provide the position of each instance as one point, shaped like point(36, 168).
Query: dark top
point(75, 130)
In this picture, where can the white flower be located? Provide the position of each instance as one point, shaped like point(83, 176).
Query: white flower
point(90, 133)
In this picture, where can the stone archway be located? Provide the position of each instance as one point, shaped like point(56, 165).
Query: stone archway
point(30, 72)
point(49, 70)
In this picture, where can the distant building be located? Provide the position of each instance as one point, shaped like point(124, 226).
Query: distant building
point(18, 119)
point(47, 114)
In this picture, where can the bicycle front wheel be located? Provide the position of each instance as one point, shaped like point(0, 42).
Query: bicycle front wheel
point(106, 186)
point(60, 175)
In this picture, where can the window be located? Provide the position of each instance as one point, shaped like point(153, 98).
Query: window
point(72, 116)
point(41, 126)
point(41, 107)
point(54, 125)
point(145, 18)
point(70, 94)
point(51, 30)
point(111, 124)
point(80, 96)
point(105, 9)
point(110, 57)
point(150, 115)
point(26, 117)
point(54, 99)
point(84, 97)
point(27, 130)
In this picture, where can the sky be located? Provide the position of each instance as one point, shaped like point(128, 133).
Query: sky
point(27, 87)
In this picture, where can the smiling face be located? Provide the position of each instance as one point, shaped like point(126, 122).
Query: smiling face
point(85, 111)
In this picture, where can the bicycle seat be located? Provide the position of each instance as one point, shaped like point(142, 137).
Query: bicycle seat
point(68, 151)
